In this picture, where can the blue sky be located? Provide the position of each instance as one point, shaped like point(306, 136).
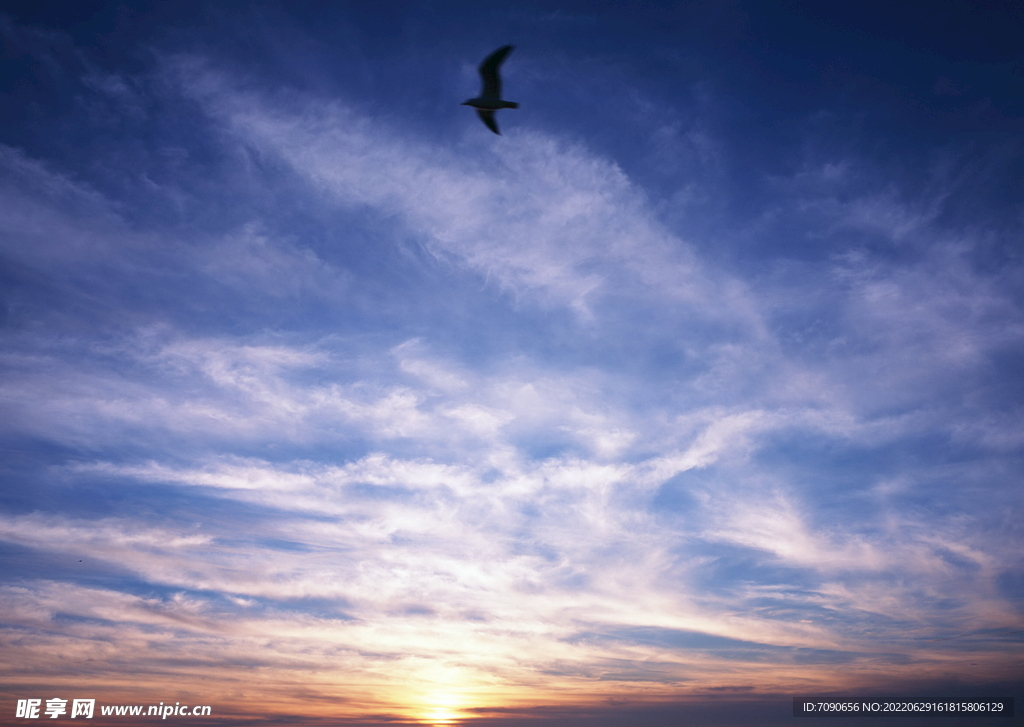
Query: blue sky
point(322, 401)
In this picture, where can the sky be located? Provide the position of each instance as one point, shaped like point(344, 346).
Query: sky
point(697, 389)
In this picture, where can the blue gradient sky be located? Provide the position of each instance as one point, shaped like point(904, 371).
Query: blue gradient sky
point(322, 401)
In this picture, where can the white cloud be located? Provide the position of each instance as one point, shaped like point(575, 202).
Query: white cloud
point(469, 520)
point(541, 217)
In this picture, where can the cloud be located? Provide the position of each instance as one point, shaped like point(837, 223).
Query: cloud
point(572, 450)
point(541, 217)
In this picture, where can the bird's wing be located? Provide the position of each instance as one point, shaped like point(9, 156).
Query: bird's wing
point(489, 72)
point(487, 116)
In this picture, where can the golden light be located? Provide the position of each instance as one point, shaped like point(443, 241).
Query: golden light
point(444, 710)
point(441, 717)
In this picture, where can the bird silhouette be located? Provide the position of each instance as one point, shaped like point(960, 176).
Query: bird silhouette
point(489, 99)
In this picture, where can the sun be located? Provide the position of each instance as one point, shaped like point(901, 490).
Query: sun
point(441, 716)
point(442, 709)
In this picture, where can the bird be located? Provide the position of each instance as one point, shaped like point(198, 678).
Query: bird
point(490, 99)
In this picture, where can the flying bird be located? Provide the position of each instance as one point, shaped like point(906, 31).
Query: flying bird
point(489, 99)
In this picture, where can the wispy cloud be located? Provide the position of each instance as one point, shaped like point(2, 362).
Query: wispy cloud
point(540, 441)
